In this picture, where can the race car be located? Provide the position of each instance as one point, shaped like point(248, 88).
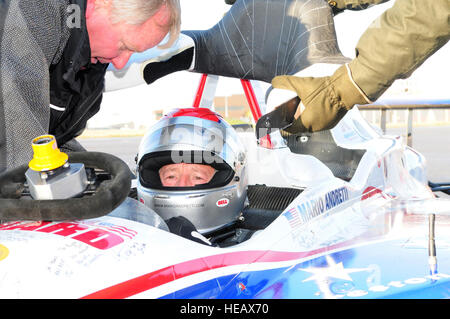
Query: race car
point(363, 225)
point(343, 213)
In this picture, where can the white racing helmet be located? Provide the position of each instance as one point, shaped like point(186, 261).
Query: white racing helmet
point(197, 136)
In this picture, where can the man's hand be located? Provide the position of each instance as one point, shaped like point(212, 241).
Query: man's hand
point(326, 99)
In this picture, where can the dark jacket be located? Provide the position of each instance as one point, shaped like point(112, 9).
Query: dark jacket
point(47, 83)
point(76, 85)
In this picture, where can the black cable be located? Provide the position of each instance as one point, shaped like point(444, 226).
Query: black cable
point(440, 187)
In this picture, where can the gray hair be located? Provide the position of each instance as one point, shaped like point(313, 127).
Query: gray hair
point(138, 11)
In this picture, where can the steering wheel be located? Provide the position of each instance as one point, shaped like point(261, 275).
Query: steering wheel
point(106, 197)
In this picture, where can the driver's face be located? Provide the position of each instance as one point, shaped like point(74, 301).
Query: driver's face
point(185, 175)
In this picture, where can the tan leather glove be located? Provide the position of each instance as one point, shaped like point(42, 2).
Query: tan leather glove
point(326, 99)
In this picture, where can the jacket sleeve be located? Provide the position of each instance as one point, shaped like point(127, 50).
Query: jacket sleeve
point(398, 42)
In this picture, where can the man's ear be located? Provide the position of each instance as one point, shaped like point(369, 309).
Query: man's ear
point(162, 16)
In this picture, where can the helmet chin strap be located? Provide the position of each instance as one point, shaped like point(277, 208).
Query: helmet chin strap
point(183, 227)
point(199, 236)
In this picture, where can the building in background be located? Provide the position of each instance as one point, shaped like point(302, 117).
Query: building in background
point(234, 108)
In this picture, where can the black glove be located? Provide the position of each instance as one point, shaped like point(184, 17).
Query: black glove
point(154, 69)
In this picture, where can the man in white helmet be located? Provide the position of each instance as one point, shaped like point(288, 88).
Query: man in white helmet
point(192, 170)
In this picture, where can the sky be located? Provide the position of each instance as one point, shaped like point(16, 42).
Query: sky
point(178, 89)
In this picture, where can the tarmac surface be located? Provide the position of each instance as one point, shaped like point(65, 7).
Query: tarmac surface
point(431, 141)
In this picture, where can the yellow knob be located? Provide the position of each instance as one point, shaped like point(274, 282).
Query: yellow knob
point(47, 155)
